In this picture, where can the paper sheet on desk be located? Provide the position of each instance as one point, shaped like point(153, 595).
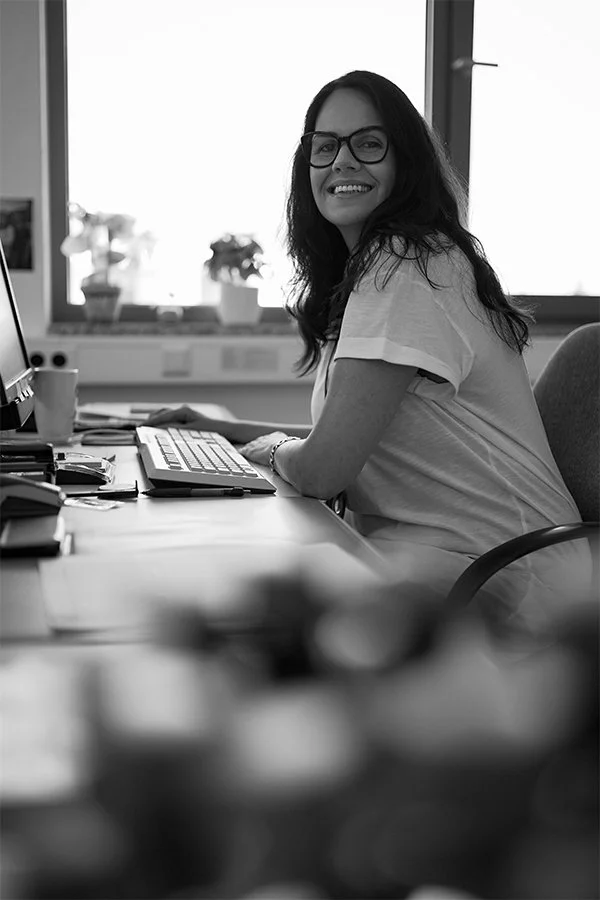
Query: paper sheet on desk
point(173, 534)
point(119, 592)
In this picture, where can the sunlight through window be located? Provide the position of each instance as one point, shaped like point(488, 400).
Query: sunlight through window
point(186, 115)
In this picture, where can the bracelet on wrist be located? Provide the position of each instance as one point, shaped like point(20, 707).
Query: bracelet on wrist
point(275, 447)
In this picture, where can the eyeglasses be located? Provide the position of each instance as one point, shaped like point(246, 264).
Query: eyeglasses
point(367, 145)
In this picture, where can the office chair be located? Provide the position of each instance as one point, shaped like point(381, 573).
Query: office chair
point(567, 393)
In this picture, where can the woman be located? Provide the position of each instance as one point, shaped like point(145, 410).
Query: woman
point(422, 407)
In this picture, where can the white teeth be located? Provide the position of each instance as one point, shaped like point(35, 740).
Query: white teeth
point(351, 189)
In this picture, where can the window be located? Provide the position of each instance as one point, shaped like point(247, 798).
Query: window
point(533, 192)
point(192, 125)
point(187, 116)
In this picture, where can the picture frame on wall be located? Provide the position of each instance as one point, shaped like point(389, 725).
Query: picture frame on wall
point(16, 232)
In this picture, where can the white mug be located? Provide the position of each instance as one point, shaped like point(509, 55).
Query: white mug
point(55, 392)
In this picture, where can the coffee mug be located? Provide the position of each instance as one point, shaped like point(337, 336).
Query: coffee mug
point(55, 392)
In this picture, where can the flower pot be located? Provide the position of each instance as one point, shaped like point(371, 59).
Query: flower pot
point(238, 305)
point(102, 302)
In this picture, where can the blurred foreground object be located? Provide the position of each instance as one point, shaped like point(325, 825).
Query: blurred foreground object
point(353, 742)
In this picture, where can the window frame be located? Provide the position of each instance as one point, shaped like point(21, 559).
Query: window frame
point(449, 36)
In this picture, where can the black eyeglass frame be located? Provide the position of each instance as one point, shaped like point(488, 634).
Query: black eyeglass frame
point(306, 141)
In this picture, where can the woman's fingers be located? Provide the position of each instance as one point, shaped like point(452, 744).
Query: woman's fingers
point(259, 449)
point(152, 417)
point(181, 415)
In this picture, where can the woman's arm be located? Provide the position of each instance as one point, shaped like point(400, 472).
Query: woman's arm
point(239, 431)
point(363, 398)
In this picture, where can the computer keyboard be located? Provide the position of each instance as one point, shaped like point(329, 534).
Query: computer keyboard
point(186, 457)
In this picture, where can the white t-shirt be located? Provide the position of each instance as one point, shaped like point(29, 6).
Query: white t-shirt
point(465, 464)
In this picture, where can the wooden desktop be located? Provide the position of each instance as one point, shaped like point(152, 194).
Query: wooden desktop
point(286, 516)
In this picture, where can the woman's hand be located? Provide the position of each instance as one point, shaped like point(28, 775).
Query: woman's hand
point(259, 449)
point(181, 415)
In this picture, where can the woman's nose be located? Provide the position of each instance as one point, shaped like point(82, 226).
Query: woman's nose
point(344, 159)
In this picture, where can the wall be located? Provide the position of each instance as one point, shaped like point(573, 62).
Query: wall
point(252, 376)
point(23, 151)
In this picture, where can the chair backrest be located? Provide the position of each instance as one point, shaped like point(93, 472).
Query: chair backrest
point(567, 393)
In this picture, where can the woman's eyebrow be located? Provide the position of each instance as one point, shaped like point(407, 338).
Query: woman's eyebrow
point(337, 133)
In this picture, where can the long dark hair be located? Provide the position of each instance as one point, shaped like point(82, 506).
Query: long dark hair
point(422, 216)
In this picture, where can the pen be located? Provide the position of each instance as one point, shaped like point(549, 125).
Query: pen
point(195, 492)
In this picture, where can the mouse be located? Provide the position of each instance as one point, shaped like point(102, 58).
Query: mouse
point(75, 474)
point(24, 497)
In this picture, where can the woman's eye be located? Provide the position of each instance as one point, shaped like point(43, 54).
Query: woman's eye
point(323, 147)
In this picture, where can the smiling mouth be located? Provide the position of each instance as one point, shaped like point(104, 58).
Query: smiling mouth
point(349, 189)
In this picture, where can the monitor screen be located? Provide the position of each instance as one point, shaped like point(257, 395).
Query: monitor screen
point(16, 394)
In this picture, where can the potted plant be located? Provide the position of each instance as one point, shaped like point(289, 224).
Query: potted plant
point(236, 260)
point(109, 238)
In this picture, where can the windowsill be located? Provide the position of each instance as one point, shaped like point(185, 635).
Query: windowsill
point(169, 329)
point(148, 320)
point(559, 315)
point(263, 329)
point(555, 329)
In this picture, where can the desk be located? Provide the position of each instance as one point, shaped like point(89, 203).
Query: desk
point(285, 516)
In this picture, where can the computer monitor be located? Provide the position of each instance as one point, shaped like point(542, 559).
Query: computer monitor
point(16, 373)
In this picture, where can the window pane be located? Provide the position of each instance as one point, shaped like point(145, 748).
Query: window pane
point(534, 143)
point(186, 114)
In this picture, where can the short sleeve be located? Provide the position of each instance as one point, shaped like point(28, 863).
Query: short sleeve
point(409, 323)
